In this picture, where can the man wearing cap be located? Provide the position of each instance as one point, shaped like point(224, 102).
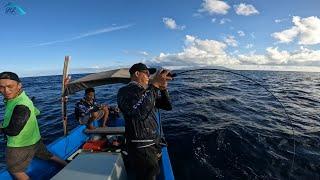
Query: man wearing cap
point(21, 128)
point(138, 102)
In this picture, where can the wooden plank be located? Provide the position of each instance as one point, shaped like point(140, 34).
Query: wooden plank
point(106, 130)
point(65, 81)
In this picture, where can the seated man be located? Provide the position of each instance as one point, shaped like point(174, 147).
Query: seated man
point(87, 110)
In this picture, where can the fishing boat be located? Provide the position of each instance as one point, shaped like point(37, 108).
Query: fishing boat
point(89, 163)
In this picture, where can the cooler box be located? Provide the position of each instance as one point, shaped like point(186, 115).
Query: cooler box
point(94, 166)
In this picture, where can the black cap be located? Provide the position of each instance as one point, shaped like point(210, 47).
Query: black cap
point(88, 90)
point(9, 75)
point(141, 67)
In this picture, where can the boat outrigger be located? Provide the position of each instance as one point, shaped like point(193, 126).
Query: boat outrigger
point(90, 158)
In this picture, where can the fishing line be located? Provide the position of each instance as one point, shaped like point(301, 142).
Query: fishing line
point(256, 83)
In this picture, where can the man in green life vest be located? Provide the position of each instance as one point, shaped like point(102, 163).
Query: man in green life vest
point(21, 128)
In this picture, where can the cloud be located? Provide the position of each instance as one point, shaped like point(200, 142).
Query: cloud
point(230, 40)
point(234, 52)
point(286, 36)
point(144, 53)
point(277, 57)
point(305, 55)
point(214, 7)
point(136, 53)
point(197, 15)
point(249, 59)
point(274, 56)
point(276, 68)
point(245, 9)
point(171, 24)
point(213, 20)
point(84, 35)
point(252, 35)
point(248, 46)
point(224, 20)
point(198, 52)
point(280, 20)
point(211, 52)
point(241, 33)
point(305, 30)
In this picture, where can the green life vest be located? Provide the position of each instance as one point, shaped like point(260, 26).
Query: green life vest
point(30, 134)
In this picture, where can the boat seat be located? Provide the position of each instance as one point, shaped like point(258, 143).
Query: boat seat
point(106, 130)
point(94, 166)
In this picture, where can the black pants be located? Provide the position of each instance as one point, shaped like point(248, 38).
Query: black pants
point(144, 162)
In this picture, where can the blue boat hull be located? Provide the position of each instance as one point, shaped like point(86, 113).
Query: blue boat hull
point(65, 146)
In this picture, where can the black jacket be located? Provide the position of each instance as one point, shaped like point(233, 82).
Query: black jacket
point(138, 106)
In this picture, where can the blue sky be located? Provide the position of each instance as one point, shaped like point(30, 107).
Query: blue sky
point(272, 35)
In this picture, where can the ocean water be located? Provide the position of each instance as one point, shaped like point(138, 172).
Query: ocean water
point(222, 126)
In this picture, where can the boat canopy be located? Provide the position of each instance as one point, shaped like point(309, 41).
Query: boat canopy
point(98, 79)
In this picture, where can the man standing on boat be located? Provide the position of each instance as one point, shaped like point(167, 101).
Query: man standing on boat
point(138, 102)
point(21, 128)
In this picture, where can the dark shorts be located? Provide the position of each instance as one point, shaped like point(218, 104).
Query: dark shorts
point(19, 158)
point(144, 162)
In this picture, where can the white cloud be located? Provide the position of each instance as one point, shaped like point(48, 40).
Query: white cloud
point(198, 52)
point(286, 36)
point(197, 15)
point(234, 52)
point(309, 29)
point(276, 68)
point(136, 53)
point(252, 59)
point(248, 46)
point(189, 39)
point(241, 33)
point(280, 20)
point(144, 53)
point(171, 24)
point(245, 9)
point(305, 55)
point(252, 52)
point(84, 35)
point(277, 57)
point(273, 56)
point(252, 35)
point(230, 40)
point(214, 7)
point(224, 20)
point(213, 20)
point(305, 30)
point(211, 52)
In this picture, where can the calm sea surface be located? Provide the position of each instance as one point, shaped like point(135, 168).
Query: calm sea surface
point(222, 126)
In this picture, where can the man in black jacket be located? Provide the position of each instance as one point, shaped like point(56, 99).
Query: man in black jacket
point(138, 102)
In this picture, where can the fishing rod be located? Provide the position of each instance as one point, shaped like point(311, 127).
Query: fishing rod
point(256, 83)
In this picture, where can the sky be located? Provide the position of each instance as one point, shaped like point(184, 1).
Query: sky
point(97, 34)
